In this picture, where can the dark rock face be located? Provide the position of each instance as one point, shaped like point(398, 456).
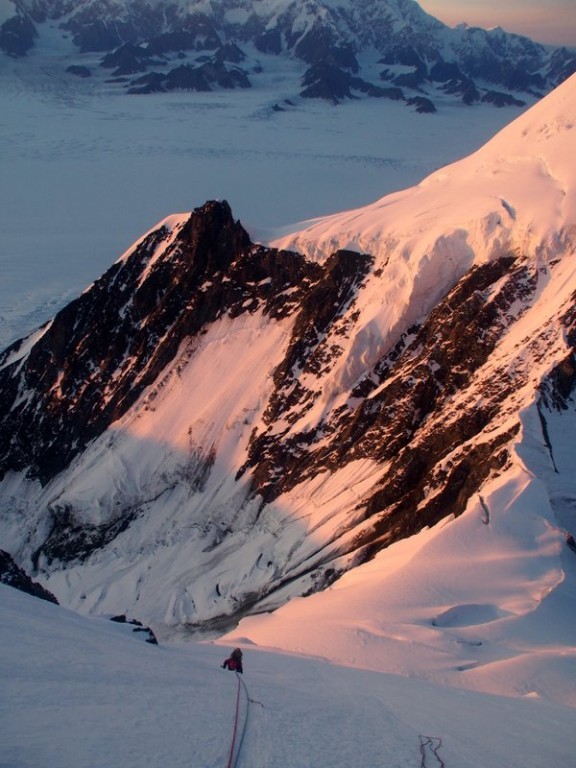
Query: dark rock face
point(393, 93)
point(330, 82)
point(385, 427)
point(404, 421)
point(489, 64)
point(128, 59)
point(211, 74)
point(17, 36)
point(463, 87)
point(12, 575)
point(101, 36)
point(326, 81)
point(562, 66)
point(407, 56)
point(502, 99)
point(68, 540)
point(422, 105)
point(150, 637)
point(320, 46)
point(103, 349)
point(269, 41)
point(456, 83)
point(442, 71)
point(79, 71)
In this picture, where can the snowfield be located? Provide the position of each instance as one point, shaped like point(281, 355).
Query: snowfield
point(87, 693)
point(176, 560)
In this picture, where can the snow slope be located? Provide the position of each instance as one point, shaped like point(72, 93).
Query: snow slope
point(516, 192)
point(85, 693)
point(464, 632)
point(485, 602)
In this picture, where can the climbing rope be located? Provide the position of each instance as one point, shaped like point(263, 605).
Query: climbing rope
point(432, 744)
point(251, 701)
point(231, 759)
point(238, 733)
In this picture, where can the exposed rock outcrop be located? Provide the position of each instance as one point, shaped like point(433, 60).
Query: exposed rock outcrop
point(429, 414)
point(13, 575)
point(100, 352)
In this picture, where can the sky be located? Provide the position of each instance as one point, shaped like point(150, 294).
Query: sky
point(547, 21)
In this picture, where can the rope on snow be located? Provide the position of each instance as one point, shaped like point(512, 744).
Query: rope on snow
point(432, 744)
point(239, 733)
point(428, 744)
point(231, 759)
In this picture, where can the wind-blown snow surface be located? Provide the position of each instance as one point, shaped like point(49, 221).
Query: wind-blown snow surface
point(517, 194)
point(86, 170)
point(175, 562)
point(85, 693)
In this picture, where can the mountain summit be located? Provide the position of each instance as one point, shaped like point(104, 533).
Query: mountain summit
point(215, 426)
point(336, 49)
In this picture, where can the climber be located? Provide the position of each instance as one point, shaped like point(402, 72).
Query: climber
point(234, 661)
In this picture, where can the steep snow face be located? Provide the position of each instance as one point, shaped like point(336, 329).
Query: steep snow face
point(170, 466)
point(515, 195)
point(482, 602)
point(479, 601)
point(220, 426)
point(518, 188)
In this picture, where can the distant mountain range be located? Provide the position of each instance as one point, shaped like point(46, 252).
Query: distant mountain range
point(342, 49)
point(215, 425)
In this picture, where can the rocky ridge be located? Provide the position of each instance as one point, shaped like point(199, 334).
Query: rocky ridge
point(92, 362)
point(13, 576)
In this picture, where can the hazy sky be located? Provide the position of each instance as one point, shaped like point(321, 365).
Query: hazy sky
point(547, 21)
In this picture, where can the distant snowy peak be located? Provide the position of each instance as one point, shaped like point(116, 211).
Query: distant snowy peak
point(390, 50)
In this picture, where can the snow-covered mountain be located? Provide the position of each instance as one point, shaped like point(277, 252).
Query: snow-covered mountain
point(215, 426)
point(343, 49)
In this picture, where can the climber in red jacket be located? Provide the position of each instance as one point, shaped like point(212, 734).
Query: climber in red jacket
point(234, 661)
